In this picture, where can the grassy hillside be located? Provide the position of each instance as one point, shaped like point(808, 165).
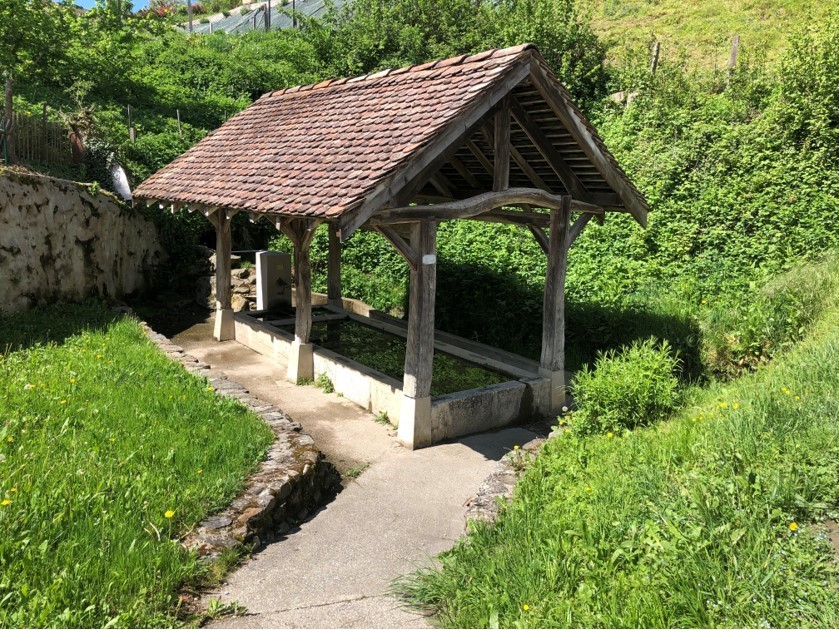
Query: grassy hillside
point(702, 31)
point(712, 519)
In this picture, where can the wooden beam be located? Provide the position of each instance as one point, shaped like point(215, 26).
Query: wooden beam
point(419, 351)
point(524, 165)
point(541, 238)
point(501, 146)
point(479, 204)
point(224, 326)
point(549, 89)
point(437, 152)
point(404, 248)
point(333, 272)
point(577, 228)
point(543, 144)
point(441, 184)
point(553, 320)
point(479, 155)
point(464, 172)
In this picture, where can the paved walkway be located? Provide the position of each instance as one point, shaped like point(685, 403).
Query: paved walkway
point(336, 570)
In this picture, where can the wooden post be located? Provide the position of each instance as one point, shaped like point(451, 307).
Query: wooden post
point(333, 272)
point(303, 293)
point(552, 364)
point(189, 14)
point(301, 355)
point(501, 147)
point(415, 418)
point(224, 325)
point(180, 131)
point(654, 63)
point(732, 60)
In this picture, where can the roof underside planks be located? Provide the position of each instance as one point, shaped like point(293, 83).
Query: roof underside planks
point(345, 150)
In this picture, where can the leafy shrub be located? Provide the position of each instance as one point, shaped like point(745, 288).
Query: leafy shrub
point(627, 389)
point(745, 335)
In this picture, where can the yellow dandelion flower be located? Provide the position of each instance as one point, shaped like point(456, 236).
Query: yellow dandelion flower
point(610, 434)
point(693, 419)
point(169, 513)
point(793, 526)
point(704, 301)
point(711, 414)
point(62, 402)
point(723, 405)
point(798, 397)
point(113, 440)
point(10, 439)
point(13, 489)
point(735, 406)
point(209, 388)
point(516, 447)
point(5, 502)
point(588, 488)
point(525, 608)
point(200, 471)
point(72, 380)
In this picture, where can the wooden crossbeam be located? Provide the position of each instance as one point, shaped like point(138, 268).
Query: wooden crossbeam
point(479, 205)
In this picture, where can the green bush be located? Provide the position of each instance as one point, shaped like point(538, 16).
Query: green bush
point(761, 323)
point(634, 387)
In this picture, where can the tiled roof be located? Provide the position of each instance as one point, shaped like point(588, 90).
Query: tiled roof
point(317, 150)
point(323, 150)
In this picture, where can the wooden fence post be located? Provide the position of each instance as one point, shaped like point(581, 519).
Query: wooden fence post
point(656, 51)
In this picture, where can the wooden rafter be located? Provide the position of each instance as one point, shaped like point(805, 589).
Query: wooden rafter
point(543, 144)
point(479, 155)
point(464, 172)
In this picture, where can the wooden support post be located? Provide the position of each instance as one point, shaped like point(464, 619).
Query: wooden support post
point(415, 418)
point(333, 272)
point(224, 328)
point(301, 354)
point(501, 147)
point(552, 364)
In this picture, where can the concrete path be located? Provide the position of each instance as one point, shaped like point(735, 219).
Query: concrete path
point(337, 569)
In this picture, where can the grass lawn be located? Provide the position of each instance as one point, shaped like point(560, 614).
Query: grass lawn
point(711, 519)
point(108, 451)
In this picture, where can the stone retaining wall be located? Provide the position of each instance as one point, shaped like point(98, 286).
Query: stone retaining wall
point(63, 241)
point(294, 480)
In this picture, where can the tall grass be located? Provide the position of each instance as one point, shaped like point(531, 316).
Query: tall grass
point(710, 519)
point(108, 451)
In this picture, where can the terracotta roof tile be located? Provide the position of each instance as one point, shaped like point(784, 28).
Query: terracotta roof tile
point(319, 150)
